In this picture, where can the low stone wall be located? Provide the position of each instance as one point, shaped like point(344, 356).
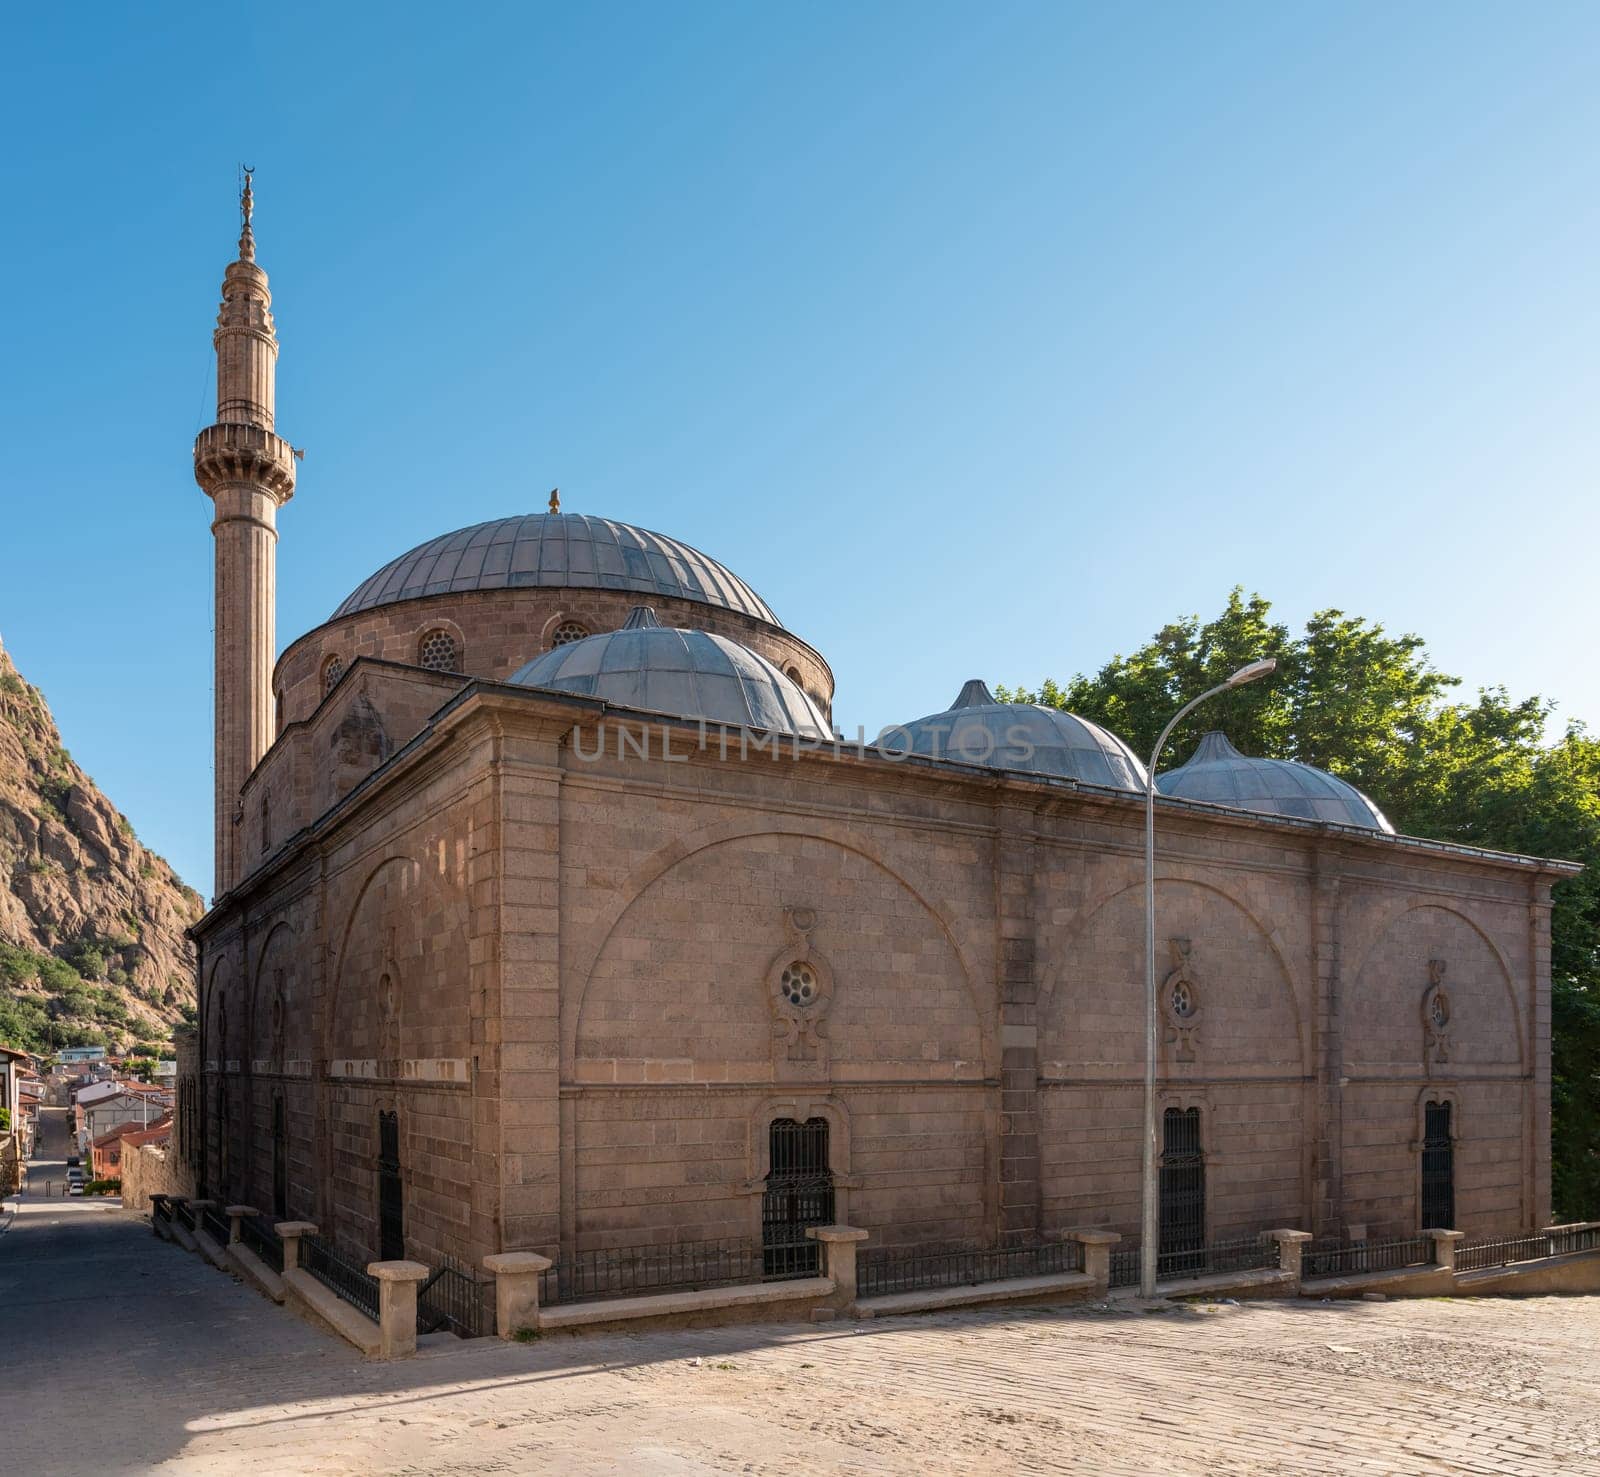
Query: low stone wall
point(148, 1171)
point(1579, 1272)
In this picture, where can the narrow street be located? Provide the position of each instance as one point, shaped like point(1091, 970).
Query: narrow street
point(47, 1170)
point(122, 1353)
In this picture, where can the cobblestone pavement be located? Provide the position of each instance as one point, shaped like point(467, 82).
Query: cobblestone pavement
point(137, 1357)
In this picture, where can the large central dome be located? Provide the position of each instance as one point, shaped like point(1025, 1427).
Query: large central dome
point(557, 550)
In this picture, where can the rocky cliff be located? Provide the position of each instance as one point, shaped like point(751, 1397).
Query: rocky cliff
point(91, 923)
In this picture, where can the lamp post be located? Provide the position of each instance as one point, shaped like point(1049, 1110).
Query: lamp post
point(1149, 1234)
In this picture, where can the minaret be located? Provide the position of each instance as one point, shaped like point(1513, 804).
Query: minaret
point(248, 473)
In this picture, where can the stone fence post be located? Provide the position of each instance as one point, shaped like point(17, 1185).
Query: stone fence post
point(516, 1290)
point(237, 1213)
point(1096, 1256)
point(397, 1306)
point(1444, 1247)
point(157, 1203)
point(1291, 1251)
point(839, 1260)
point(290, 1232)
point(198, 1209)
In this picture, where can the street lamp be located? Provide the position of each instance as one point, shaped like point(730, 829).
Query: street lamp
point(1149, 1233)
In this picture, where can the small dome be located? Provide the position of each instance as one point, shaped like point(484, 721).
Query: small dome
point(557, 551)
point(688, 674)
point(976, 729)
point(1217, 772)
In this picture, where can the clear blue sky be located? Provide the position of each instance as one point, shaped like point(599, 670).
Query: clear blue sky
point(981, 339)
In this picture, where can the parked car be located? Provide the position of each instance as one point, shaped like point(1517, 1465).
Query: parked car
point(75, 1187)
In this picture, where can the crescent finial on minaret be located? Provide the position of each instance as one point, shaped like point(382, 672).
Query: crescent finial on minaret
point(247, 205)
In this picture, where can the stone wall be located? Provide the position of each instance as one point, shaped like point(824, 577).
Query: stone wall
point(148, 1170)
point(587, 987)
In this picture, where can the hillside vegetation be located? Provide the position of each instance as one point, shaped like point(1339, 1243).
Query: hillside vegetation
point(92, 946)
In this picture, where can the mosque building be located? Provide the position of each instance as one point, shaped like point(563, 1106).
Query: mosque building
point(552, 914)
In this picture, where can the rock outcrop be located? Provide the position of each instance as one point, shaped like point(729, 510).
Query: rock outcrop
point(91, 922)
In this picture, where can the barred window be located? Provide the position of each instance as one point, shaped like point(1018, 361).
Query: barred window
point(332, 671)
point(568, 632)
point(437, 652)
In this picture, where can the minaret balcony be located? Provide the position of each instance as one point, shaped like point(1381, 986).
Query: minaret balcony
point(231, 452)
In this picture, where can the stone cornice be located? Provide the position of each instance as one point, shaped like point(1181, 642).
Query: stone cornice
point(232, 452)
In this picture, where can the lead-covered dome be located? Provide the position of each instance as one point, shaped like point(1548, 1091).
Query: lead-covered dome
point(1217, 772)
point(689, 674)
point(557, 550)
point(1030, 737)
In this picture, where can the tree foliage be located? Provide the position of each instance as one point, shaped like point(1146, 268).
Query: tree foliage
point(1369, 706)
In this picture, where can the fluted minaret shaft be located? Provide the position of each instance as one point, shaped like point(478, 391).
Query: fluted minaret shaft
point(248, 472)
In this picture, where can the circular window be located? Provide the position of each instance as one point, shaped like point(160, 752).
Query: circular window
point(1182, 1000)
point(1439, 1009)
point(799, 984)
point(332, 671)
point(437, 652)
point(568, 632)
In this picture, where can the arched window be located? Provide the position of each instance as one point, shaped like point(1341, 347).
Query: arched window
point(332, 671)
point(1183, 1194)
point(568, 632)
point(437, 652)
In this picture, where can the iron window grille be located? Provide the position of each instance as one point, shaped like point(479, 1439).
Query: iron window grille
point(391, 1190)
point(1438, 1169)
point(1182, 1184)
point(798, 1194)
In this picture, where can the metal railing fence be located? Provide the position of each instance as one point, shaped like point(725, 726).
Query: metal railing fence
point(258, 1234)
point(1347, 1259)
point(890, 1269)
point(216, 1225)
point(629, 1271)
point(1240, 1254)
point(340, 1275)
point(456, 1298)
point(1580, 1236)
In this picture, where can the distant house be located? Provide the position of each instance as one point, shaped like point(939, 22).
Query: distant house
point(105, 1154)
point(14, 1065)
point(82, 1054)
point(100, 1112)
point(13, 1147)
